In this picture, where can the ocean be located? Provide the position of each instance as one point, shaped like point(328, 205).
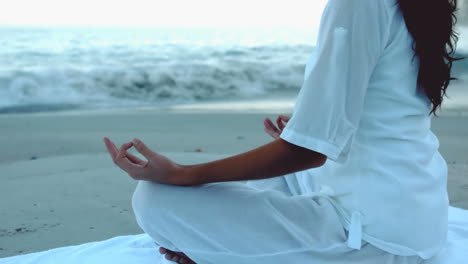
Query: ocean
point(65, 68)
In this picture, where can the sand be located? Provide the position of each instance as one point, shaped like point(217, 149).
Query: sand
point(59, 187)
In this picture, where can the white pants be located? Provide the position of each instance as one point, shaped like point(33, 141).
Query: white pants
point(254, 223)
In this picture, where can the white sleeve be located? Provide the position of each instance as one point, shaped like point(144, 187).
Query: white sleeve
point(329, 105)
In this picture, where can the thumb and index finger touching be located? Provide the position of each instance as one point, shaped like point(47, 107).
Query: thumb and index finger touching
point(284, 118)
point(281, 120)
point(142, 148)
point(119, 153)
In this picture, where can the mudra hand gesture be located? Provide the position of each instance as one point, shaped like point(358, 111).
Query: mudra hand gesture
point(272, 130)
point(158, 167)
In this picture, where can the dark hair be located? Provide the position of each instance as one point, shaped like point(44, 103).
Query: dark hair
point(431, 24)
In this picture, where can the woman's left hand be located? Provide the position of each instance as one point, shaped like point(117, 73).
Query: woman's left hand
point(158, 168)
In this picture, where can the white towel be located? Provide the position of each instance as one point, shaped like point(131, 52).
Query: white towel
point(141, 249)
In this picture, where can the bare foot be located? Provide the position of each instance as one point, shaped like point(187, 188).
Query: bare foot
point(177, 257)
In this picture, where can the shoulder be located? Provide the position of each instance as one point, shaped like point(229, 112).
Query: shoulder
point(370, 8)
point(362, 2)
point(362, 11)
point(367, 21)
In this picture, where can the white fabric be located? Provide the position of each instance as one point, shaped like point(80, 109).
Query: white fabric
point(236, 223)
point(141, 248)
point(359, 106)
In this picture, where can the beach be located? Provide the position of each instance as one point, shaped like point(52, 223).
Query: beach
point(194, 93)
point(58, 185)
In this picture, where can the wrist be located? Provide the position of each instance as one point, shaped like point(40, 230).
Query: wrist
point(185, 176)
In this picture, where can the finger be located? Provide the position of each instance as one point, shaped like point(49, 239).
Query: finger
point(272, 133)
point(135, 159)
point(285, 118)
point(269, 132)
point(131, 168)
point(142, 148)
point(123, 150)
point(115, 147)
point(269, 124)
point(271, 129)
point(279, 121)
point(162, 250)
point(111, 148)
point(123, 162)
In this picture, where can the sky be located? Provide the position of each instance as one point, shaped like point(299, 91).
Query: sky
point(167, 13)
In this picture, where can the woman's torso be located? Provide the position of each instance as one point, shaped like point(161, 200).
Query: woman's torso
point(395, 176)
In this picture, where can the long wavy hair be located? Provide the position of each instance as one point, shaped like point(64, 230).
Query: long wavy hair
point(431, 24)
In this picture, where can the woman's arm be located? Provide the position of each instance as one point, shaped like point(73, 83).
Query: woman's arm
point(270, 160)
point(273, 159)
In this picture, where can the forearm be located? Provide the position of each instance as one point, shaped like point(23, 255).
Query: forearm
point(273, 159)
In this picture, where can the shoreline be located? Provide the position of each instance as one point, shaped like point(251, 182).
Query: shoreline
point(248, 106)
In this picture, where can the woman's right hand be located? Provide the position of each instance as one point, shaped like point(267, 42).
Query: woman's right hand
point(271, 129)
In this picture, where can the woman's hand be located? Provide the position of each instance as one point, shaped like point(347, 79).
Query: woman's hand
point(158, 168)
point(272, 130)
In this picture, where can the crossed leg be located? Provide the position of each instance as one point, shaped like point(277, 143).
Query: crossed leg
point(277, 183)
point(235, 223)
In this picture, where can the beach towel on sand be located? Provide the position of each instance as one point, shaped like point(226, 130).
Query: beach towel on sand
point(141, 249)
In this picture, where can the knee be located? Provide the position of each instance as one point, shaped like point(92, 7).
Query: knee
point(137, 200)
point(148, 199)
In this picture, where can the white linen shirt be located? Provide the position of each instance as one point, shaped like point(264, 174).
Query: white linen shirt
point(359, 105)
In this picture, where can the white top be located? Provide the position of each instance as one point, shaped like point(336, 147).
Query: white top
point(359, 106)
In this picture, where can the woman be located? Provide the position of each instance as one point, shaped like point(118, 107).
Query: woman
point(355, 176)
